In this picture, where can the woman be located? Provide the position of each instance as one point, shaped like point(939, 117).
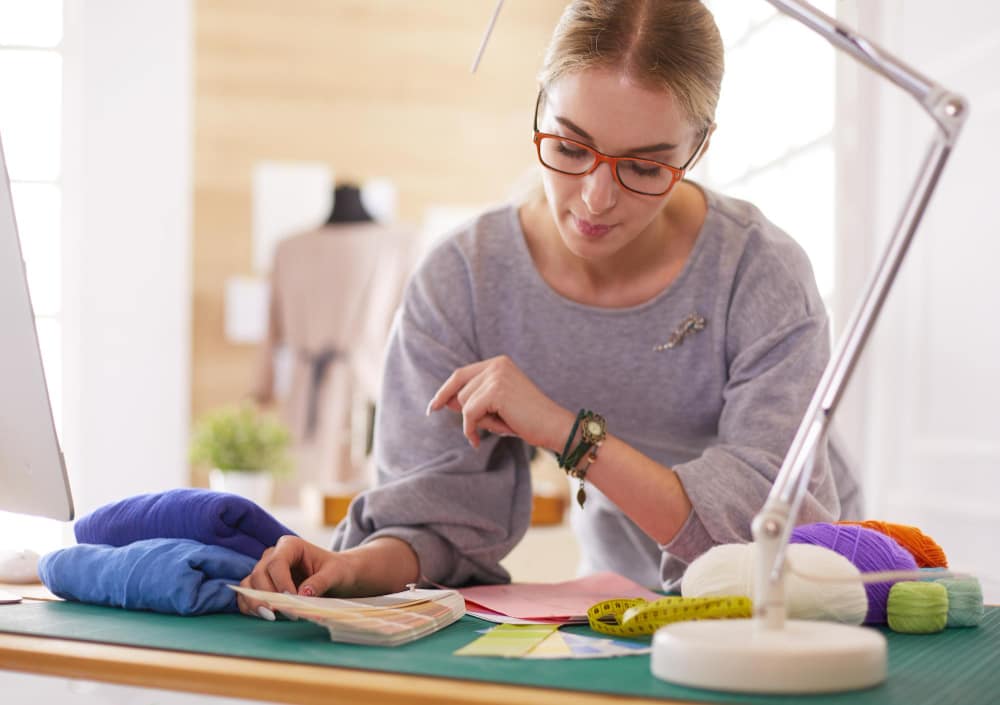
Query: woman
point(685, 319)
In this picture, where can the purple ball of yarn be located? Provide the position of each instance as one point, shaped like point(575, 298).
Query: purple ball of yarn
point(869, 550)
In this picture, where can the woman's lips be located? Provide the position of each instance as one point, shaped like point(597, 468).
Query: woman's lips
point(588, 229)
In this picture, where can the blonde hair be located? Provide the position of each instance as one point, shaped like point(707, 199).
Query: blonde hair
point(661, 44)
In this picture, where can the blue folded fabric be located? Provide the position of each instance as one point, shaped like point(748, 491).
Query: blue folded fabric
point(172, 576)
point(216, 518)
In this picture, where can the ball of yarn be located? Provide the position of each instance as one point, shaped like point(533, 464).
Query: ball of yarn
point(916, 607)
point(719, 572)
point(922, 547)
point(965, 601)
point(729, 570)
point(869, 550)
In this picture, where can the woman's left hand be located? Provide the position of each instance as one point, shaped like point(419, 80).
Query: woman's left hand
point(496, 396)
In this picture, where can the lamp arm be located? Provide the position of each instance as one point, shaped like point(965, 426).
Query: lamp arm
point(772, 527)
point(865, 51)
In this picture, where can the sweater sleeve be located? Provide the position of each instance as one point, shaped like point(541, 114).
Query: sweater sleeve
point(461, 509)
point(777, 346)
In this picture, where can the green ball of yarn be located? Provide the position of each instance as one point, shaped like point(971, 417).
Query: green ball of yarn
point(917, 607)
point(965, 601)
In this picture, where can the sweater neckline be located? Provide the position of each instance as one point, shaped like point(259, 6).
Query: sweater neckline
point(521, 248)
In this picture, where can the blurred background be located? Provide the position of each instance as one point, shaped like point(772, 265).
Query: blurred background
point(161, 151)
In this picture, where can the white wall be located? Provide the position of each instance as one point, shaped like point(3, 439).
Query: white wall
point(126, 259)
point(127, 231)
point(922, 410)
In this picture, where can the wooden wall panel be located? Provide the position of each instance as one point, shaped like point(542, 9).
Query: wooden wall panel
point(371, 87)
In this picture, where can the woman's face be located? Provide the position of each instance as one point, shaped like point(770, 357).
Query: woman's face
point(603, 108)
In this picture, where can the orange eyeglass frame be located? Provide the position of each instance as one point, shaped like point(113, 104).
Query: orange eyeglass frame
point(677, 173)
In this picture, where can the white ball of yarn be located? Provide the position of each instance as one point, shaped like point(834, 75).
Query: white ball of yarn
point(729, 570)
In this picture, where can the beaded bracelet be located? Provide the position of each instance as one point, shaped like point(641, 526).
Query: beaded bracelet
point(593, 430)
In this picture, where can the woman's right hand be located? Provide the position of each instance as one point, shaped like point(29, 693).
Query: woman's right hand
point(295, 566)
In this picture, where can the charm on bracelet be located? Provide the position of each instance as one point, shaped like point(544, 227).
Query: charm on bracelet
point(581, 474)
point(593, 430)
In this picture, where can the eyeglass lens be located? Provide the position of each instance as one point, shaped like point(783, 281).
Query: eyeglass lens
point(635, 174)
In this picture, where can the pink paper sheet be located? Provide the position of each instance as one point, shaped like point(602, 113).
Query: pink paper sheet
point(568, 600)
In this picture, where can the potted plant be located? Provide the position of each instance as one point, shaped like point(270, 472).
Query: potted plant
point(244, 449)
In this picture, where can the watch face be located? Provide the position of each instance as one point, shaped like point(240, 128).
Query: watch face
point(593, 429)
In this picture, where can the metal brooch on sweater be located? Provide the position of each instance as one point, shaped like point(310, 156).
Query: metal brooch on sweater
point(692, 324)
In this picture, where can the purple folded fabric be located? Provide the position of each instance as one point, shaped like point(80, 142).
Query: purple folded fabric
point(214, 518)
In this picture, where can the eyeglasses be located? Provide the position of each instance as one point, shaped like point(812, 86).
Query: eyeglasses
point(642, 176)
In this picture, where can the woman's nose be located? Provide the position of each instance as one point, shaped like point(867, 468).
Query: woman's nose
point(600, 190)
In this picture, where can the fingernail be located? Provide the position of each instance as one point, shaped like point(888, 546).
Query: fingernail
point(265, 613)
point(308, 591)
point(427, 411)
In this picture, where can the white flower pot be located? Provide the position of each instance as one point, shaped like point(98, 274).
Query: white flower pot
point(255, 485)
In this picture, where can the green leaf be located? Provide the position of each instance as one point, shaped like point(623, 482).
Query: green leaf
point(240, 437)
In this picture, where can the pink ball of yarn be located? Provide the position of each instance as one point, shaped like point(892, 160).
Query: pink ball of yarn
point(869, 550)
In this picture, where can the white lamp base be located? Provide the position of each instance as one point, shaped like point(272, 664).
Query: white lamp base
point(740, 655)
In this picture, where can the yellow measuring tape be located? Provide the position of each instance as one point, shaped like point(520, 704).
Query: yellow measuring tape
point(639, 617)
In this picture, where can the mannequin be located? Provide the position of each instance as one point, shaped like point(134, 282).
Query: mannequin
point(332, 301)
point(347, 206)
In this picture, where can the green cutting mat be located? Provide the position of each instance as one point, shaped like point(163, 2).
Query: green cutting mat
point(956, 666)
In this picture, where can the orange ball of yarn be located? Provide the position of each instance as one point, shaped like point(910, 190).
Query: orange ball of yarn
point(925, 550)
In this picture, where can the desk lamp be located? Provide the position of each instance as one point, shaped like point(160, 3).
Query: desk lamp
point(769, 653)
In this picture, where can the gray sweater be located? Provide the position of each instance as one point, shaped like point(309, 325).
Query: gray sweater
point(720, 408)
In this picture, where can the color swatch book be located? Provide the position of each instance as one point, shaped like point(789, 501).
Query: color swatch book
point(384, 620)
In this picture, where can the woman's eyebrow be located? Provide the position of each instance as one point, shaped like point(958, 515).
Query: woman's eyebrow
point(659, 147)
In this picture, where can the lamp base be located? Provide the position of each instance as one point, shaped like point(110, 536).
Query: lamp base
point(740, 655)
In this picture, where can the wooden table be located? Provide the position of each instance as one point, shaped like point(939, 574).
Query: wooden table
point(257, 679)
point(289, 662)
point(263, 680)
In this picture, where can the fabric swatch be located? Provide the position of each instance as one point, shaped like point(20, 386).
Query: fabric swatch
point(171, 576)
point(215, 518)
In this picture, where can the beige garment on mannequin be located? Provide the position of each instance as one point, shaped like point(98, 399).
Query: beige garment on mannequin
point(334, 291)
